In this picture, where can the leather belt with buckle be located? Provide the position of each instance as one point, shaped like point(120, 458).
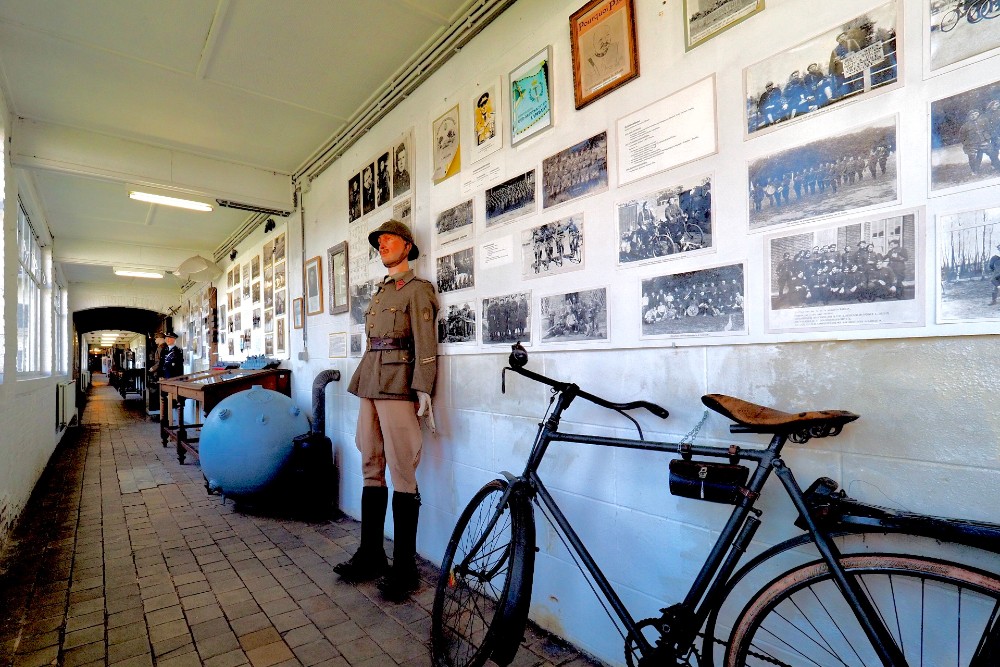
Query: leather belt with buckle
point(377, 343)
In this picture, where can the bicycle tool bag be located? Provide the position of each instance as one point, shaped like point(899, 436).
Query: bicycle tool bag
point(704, 480)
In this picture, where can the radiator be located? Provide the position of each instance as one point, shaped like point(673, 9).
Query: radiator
point(65, 404)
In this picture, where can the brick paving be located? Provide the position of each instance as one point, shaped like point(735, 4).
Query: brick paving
point(121, 558)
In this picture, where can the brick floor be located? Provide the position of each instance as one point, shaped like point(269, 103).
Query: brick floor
point(121, 558)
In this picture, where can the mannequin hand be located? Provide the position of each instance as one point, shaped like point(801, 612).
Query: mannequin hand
point(426, 409)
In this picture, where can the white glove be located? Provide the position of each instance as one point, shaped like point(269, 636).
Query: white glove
point(426, 409)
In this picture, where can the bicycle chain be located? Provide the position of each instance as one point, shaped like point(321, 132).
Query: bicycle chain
point(759, 656)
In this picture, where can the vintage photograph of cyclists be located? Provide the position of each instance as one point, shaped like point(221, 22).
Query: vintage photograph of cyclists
point(850, 170)
point(856, 59)
point(574, 316)
point(456, 271)
point(578, 171)
point(553, 247)
point(960, 32)
point(861, 274)
point(666, 223)
point(695, 303)
point(507, 319)
point(455, 223)
point(511, 199)
point(457, 323)
point(968, 260)
point(965, 138)
point(704, 19)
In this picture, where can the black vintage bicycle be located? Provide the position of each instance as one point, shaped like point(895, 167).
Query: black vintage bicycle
point(839, 608)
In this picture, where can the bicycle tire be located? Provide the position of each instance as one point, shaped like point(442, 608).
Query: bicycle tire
point(950, 20)
point(974, 15)
point(692, 238)
point(665, 246)
point(800, 617)
point(472, 617)
point(990, 9)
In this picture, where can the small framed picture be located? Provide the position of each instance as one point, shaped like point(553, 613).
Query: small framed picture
point(702, 23)
point(337, 258)
point(314, 286)
point(531, 96)
point(297, 319)
point(603, 41)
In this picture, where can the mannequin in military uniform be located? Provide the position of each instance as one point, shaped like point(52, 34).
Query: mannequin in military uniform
point(173, 359)
point(394, 381)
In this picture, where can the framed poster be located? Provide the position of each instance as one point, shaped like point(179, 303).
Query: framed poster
point(297, 318)
point(702, 23)
point(337, 259)
point(602, 39)
point(314, 286)
point(530, 85)
point(447, 153)
point(486, 132)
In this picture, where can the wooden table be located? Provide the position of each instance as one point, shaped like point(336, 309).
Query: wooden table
point(207, 389)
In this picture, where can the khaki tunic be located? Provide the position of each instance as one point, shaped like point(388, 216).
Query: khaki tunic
point(403, 307)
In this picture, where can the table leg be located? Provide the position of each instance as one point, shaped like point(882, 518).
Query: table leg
point(181, 431)
point(164, 417)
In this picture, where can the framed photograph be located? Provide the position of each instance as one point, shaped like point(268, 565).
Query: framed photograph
point(507, 319)
point(965, 140)
point(268, 287)
point(670, 222)
point(706, 302)
point(958, 34)
point(578, 171)
point(511, 199)
point(968, 260)
point(246, 282)
point(456, 271)
point(255, 292)
point(336, 257)
point(703, 20)
point(403, 211)
point(314, 286)
point(268, 321)
point(268, 253)
point(486, 131)
point(368, 189)
point(268, 344)
point(279, 335)
point(279, 302)
point(257, 315)
point(602, 39)
point(279, 248)
point(401, 167)
point(357, 344)
point(255, 267)
point(354, 198)
point(458, 323)
point(856, 59)
point(574, 316)
point(361, 297)
point(551, 248)
point(447, 149)
point(383, 180)
point(530, 94)
point(454, 224)
point(866, 273)
point(298, 319)
point(853, 169)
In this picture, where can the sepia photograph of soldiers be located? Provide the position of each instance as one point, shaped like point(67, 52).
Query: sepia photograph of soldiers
point(961, 29)
point(454, 223)
point(457, 323)
point(965, 137)
point(580, 170)
point(847, 62)
point(696, 302)
point(969, 266)
point(511, 199)
point(707, 18)
point(846, 171)
point(672, 221)
point(507, 319)
point(854, 263)
point(555, 247)
point(456, 271)
point(574, 316)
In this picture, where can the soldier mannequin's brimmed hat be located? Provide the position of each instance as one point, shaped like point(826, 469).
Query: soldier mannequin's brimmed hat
point(170, 334)
point(399, 229)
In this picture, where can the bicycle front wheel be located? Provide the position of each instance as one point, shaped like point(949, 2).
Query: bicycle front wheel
point(483, 591)
point(938, 613)
point(950, 20)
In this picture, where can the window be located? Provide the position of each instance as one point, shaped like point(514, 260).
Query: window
point(29, 297)
point(59, 364)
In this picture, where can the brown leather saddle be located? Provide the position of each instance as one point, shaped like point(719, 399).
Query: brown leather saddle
point(760, 419)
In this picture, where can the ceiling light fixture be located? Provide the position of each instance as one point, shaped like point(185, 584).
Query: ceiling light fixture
point(137, 273)
point(164, 200)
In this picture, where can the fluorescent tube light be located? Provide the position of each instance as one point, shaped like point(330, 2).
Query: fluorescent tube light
point(137, 273)
point(189, 204)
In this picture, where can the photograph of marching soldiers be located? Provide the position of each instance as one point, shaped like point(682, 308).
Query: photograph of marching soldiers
point(456, 271)
point(861, 262)
point(962, 29)
point(707, 18)
point(965, 137)
point(658, 224)
point(507, 319)
point(457, 323)
point(511, 199)
point(575, 316)
point(844, 63)
point(969, 261)
point(580, 170)
point(361, 297)
point(455, 223)
point(709, 301)
point(845, 171)
point(555, 247)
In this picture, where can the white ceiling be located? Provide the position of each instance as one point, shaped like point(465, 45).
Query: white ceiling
point(209, 97)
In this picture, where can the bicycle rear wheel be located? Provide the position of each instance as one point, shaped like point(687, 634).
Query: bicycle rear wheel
point(481, 603)
point(939, 614)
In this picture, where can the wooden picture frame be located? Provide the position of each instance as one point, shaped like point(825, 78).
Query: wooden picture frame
point(602, 39)
point(314, 286)
point(529, 88)
point(339, 298)
point(297, 308)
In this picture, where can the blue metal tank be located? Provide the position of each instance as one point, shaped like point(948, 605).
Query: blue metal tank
point(247, 440)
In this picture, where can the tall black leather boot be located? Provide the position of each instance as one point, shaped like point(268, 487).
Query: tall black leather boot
point(402, 578)
point(369, 561)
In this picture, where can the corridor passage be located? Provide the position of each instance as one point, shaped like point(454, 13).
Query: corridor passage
point(121, 558)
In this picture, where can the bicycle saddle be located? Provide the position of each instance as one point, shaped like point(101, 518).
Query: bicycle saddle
point(761, 419)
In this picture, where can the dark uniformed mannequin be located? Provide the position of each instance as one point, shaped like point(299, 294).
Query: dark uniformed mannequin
point(156, 368)
point(173, 358)
point(394, 381)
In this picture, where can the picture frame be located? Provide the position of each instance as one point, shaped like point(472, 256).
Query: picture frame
point(957, 160)
point(968, 266)
point(704, 302)
point(577, 171)
point(529, 86)
point(339, 297)
point(701, 26)
point(954, 37)
point(297, 317)
point(602, 39)
point(447, 146)
point(314, 286)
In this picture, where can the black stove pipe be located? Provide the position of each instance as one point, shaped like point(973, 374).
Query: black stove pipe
point(319, 399)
